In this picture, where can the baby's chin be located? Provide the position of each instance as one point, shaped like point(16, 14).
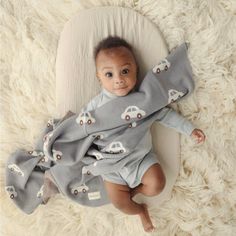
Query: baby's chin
point(121, 92)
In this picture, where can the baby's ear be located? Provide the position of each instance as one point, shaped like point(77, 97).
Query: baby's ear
point(99, 80)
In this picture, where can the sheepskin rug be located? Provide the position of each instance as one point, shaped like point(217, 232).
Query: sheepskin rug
point(204, 197)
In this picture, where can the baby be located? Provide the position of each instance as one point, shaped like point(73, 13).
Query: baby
point(117, 70)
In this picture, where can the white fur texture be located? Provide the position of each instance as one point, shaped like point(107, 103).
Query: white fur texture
point(204, 197)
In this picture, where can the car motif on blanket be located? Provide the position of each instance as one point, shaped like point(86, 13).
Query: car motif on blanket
point(133, 124)
point(132, 112)
point(40, 192)
point(57, 155)
point(82, 188)
point(85, 171)
point(45, 147)
point(115, 147)
point(98, 136)
point(15, 168)
point(174, 95)
point(35, 153)
point(85, 117)
point(98, 155)
point(162, 65)
point(47, 137)
point(39, 154)
point(51, 123)
point(11, 191)
point(44, 159)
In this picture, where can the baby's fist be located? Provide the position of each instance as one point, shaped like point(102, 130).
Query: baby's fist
point(198, 135)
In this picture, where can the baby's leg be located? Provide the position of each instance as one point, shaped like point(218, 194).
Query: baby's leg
point(120, 197)
point(152, 182)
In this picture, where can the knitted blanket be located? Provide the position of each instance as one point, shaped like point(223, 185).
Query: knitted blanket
point(78, 148)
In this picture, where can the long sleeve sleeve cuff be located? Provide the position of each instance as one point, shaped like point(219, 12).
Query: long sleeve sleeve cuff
point(188, 128)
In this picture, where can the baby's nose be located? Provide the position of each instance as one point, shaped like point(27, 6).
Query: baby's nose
point(119, 81)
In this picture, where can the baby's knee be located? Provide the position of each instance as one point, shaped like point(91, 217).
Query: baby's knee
point(157, 186)
point(161, 183)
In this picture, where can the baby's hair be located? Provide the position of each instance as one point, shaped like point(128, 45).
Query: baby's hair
point(112, 42)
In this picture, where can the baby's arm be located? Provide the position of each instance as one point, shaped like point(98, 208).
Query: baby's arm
point(170, 118)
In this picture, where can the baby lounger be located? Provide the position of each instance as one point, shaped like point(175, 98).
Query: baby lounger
point(76, 81)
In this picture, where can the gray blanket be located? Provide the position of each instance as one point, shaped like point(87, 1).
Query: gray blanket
point(78, 148)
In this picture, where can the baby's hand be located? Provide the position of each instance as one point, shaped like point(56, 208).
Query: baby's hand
point(199, 135)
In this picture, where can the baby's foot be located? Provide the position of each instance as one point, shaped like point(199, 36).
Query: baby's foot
point(145, 218)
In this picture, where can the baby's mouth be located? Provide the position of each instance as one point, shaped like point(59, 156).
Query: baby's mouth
point(121, 88)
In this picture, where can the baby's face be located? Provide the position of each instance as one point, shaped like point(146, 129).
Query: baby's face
point(116, 70)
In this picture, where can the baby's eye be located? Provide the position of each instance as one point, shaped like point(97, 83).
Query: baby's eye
point(125, 71)
point(108, 74)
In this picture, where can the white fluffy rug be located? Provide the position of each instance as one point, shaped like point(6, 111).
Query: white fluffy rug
point(204, 197)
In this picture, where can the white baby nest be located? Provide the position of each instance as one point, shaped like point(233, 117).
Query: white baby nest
point(76, 81)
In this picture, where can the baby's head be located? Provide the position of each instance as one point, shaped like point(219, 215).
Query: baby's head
point(116, 66)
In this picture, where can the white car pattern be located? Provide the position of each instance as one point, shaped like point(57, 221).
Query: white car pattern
point(115, 147)
point(47, 137)
point(98, 155)
point(132, 112)
point(40, 192)
point(85, 171)
point(40, 154)
point(11, 191)
point(82, 188)
point(46, 140)
point(98, 136)
point(35, 153)
point(51, 123)
point(162, 65)
point(85, 117)
point(174, 95)
point(57, 155)
point(44, 159)
point(45, 146)
point(133, 124)
point(15, 168)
